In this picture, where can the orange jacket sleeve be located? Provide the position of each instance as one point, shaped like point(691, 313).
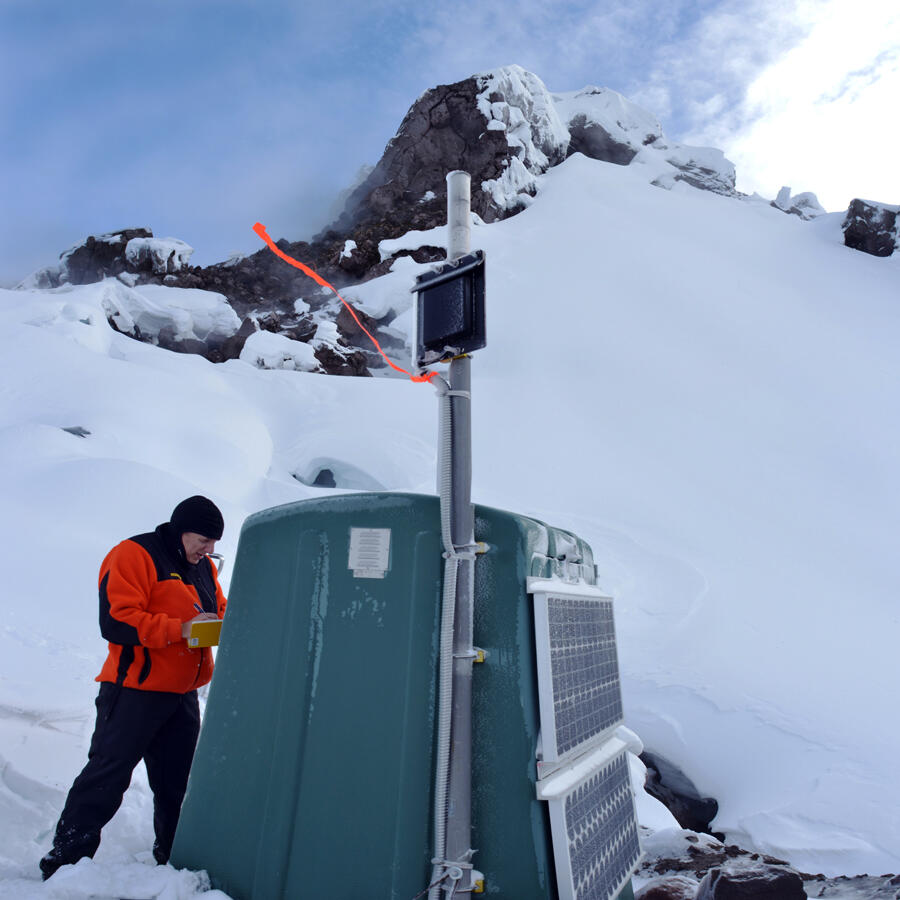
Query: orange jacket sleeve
point(126, 577)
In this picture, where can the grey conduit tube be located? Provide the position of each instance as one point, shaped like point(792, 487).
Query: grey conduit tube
point(453, 772)
point(445, 666)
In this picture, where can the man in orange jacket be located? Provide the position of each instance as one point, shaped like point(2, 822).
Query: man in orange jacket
point(152, 587)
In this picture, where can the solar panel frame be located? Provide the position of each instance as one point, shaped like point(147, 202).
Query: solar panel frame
point(593, 823)
point(579, 690)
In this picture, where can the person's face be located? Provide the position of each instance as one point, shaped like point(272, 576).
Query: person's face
point(196, 546)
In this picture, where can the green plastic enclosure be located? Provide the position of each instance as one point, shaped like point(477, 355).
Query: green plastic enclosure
point(314, 769)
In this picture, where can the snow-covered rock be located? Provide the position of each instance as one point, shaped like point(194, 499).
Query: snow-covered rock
point(91, 260)
point(487, 124)
point(156, 313)
point(705, 168)
point(128, 254)
point(517, 103)
point(806, 205)
point(267, 350)
point(163, 255)
point(602, 124)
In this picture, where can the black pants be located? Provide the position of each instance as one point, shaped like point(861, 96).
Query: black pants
point(159, 727)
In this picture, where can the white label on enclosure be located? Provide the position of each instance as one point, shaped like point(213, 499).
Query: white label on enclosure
point(370, 551)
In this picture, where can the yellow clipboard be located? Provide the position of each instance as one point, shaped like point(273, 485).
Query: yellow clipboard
point(205, 634)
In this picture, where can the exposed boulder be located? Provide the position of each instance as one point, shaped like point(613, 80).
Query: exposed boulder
point(805, 205)
point(668, 887)
point(232, 346)
point(871, 227)
point(668, 784)
point(335, 360)
point(751, 881)
point(670, 853)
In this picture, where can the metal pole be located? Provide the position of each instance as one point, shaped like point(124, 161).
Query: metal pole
point(462, 531)
point(459, 219)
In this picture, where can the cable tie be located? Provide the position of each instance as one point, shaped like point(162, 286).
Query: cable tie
point(464, 551)
point(462, 863)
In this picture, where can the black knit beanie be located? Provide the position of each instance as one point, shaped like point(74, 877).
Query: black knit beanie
point(199, 515)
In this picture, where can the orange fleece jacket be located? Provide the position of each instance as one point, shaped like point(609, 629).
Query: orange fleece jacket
point(146, 606)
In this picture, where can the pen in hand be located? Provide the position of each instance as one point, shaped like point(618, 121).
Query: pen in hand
point(200, 617)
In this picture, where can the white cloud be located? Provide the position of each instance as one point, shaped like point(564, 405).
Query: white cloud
point(695, 80)
point(824, 116)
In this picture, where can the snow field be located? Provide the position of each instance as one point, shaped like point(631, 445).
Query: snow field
point(701, 387)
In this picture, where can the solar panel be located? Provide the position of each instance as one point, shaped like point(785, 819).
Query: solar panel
point(583, 769)
point(593, 824)
point(578, 670)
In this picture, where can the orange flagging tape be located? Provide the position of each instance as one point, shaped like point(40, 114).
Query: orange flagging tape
point(261, 231)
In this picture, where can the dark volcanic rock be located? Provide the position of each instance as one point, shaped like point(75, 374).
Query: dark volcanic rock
point(100, 256)
point(232, 346)
point(441, 132)
point(352, 325)
point(871, 227)
point(335, 362)
point(705, 178)
point(692, 856)
point(95, 258)
point(499, 127)
point(670, 887)
point(751, 882)
point(594, 141)
point(668, 784)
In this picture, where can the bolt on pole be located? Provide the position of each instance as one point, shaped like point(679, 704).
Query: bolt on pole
point(462, 531)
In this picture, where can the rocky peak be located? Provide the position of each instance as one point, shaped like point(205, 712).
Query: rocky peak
point(505, 129)
point(445, 129)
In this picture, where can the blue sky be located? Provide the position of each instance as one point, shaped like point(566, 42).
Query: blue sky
point(197, 118)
